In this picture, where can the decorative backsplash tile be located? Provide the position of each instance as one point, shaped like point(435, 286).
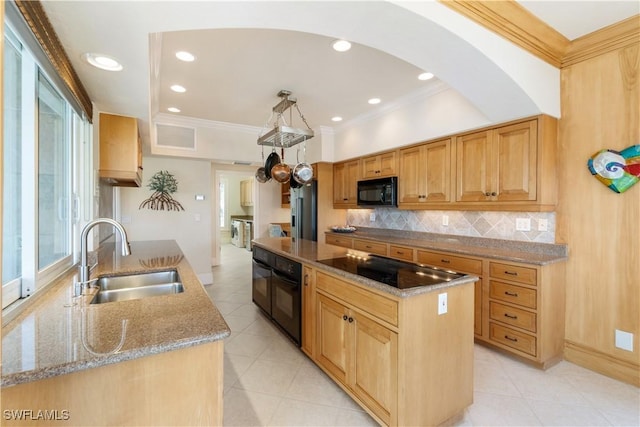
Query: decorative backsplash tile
point(495, 225)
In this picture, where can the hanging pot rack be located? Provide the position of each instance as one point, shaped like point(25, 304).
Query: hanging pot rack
point(282, 134)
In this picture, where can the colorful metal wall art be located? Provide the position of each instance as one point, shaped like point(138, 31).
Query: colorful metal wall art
point(617, 170)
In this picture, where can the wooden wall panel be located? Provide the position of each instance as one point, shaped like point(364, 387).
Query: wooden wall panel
point(600, 101)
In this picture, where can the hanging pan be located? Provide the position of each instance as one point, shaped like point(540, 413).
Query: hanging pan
point(272, 160)
point(302, 172)
point(261, 173)
point(281, 172)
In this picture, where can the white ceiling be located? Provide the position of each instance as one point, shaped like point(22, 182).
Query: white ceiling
point(238, 71)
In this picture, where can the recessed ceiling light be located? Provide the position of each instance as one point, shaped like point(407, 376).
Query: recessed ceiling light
point(185, 56)
point(341, 45)
point(173, 109)
point(374, 101)
point(178, 88)
point(425, 76)
point(103, 62)
point(336, 119)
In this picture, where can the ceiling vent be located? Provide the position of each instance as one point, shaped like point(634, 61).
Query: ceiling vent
point(170, 136)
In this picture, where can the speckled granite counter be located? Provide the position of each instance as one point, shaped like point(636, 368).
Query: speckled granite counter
point(506, 250)
point(309, 252)
point(60, 334)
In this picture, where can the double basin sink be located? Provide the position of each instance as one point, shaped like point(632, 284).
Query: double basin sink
point(137, 286)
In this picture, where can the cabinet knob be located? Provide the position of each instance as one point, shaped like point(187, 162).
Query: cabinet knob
point(350, 319)
point(345, 317)
point(487, 194)
point(494, 194)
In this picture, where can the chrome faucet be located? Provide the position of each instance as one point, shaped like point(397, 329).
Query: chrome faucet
point(84, 237)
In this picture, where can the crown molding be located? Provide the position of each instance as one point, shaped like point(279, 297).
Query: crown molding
point(170, 119)
point(613, 37)
point(516, 24)
point(37, 20)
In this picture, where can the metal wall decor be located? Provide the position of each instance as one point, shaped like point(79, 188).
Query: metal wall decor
point(163, 184)
point(618, 170)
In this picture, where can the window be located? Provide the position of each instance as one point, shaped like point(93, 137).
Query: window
point(12, 170)
point(43, 140)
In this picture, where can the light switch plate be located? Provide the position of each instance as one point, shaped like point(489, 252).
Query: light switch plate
point(442, 303)
point(624, 340)
point(445, 220)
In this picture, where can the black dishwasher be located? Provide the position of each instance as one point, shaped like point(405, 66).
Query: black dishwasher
point(277, 290)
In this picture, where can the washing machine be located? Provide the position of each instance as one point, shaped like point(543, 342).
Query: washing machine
point(237, 233)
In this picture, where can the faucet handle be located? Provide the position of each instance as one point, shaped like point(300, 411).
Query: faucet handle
point(80, 287)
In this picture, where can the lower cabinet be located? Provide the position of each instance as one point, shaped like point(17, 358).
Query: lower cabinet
point(400, 360)
point(308, 311)
point(360, 353)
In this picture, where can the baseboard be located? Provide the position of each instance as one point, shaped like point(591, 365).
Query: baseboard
point(603, 363)
point(206, 278)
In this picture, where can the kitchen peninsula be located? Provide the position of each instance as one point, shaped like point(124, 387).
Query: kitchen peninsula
point(397, 352)
point(150, 361)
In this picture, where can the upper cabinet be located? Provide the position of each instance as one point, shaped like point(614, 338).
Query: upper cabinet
point(510, 167)
point(246, 192)
point(380, 165)
point(345, 182)
point(120, 150)
point(425, 176)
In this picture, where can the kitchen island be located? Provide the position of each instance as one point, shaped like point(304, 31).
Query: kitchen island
point(151, 361)
point(400, 354)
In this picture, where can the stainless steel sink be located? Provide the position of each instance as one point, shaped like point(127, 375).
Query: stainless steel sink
point(137, 286)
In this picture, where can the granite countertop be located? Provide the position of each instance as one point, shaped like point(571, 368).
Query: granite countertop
point(505, 250)
point(59, 334)
point(308, 252)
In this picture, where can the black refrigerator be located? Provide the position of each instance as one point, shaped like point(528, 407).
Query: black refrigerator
point(304, 212)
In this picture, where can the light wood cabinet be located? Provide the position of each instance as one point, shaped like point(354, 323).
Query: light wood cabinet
point(384, 351)
point(246, 192)
point(333, 239)
point(380, 165)
point(345, 182)
point(526, 310)
point(508, 166)
point(308, 311)
point(120, 150)
point(371, 247)
point(459, 264)
point(285, 195)
point(425, 175)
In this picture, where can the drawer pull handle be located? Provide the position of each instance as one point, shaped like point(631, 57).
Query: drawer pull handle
point(511, 273)
point(445, 261)
point(511, 294)
point(344, 317)
point(306, 280)
point(510, 316)
point(399, 253)
point(368, 247)
point(511, 339)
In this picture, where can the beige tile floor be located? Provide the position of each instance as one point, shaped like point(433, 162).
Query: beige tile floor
point(270, 382)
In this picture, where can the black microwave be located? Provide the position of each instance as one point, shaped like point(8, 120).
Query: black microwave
point(378, 192)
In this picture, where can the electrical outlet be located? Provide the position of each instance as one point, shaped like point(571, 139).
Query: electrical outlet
point(372, 217)
point(442, 303)
point(624, 340)
point(523, 224)
point(543, 224)
point(445, 220)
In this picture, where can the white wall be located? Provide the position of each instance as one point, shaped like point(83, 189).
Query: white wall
point(415, 119)
point(191, 228)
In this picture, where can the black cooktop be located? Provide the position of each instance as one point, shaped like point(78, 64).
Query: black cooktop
point(399, 274)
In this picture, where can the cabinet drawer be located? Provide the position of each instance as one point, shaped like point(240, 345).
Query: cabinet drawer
point(513, 272)
point(376, 305)
point(514, 339)
point(512, 294)
point(345, 242)
point(371, 247)
point(401, 252)
point(513, 316)
point(451, 262)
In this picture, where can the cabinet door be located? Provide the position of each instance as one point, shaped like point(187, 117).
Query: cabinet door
point(339, 178)
point(376, 360)
point(437, 165)
point(387, 164)
point(411, 184)
point(516, 146)
point(332, 338)
point(351, 182)
point(473, 163)
point(370, 167)
point(308, 312)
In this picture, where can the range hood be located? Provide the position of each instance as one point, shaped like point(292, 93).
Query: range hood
point(282, 134)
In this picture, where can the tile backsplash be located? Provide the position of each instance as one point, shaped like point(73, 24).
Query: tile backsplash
point(495, 225)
